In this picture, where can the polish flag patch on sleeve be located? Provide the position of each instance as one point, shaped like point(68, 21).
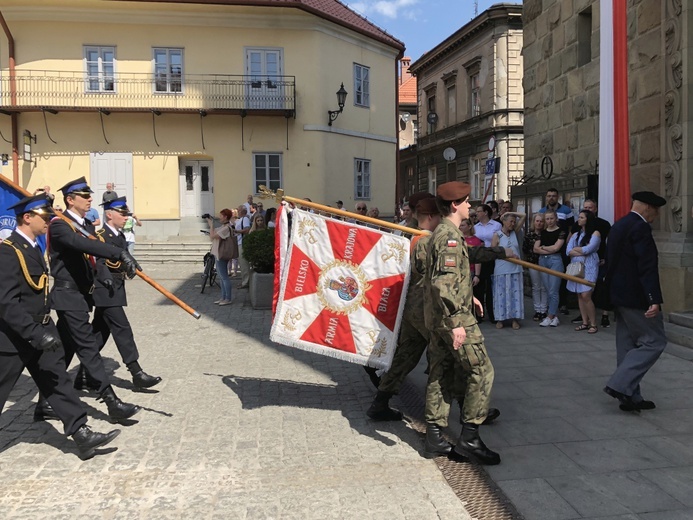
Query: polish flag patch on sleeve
point(452, 243)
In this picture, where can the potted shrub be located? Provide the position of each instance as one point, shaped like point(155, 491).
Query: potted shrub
point(258, 250)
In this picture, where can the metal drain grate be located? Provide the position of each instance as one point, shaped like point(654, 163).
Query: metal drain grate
point(482, 498)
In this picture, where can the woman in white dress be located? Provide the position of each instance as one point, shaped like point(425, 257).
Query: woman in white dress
point(582, 247)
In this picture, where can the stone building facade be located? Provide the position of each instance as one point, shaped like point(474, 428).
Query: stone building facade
point(561, 80)
point(469, 91)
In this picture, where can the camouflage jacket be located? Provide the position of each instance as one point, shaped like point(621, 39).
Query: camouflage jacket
point(415, 294)
point(448, 302)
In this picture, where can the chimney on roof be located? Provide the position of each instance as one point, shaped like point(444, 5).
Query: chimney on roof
point(404, 74)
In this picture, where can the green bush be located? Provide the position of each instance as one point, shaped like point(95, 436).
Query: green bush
point(258, 250)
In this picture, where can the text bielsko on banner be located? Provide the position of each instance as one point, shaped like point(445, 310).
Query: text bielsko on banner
point(342, 290)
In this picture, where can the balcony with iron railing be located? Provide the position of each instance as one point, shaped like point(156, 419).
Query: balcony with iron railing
point(35, 90)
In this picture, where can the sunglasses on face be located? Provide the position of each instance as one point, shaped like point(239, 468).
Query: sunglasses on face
point(82, 195)
point(361, 209)
point(46, 217)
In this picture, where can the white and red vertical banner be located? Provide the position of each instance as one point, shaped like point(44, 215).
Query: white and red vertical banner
point(342, 290)
point(614, 148)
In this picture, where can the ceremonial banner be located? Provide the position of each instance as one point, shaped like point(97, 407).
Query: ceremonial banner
point(342, 290)
point(8, 197)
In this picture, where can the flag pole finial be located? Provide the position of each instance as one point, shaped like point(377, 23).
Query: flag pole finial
point(265, 193)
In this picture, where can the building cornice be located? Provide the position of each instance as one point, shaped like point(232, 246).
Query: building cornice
point(508, 14)
point(290, 19)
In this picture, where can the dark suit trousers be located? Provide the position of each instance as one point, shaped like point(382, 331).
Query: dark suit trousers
point(79, 338)
point(639, 343)
point(47, 369)
point(113, 320)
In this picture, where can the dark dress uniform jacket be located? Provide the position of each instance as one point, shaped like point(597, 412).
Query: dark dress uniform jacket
point(70, 264)
point(107, 269)
point(19, 302)
point(632, 266)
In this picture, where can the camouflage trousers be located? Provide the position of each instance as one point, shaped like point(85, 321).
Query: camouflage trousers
point(466, 374)
point(411, 344)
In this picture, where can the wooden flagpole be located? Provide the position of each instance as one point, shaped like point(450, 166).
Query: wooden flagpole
point(144, 277)
point(265, 193)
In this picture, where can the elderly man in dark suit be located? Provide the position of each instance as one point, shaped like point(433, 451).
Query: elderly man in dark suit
point(633, 281)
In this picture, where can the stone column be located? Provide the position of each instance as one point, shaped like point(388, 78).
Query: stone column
point(675, 237)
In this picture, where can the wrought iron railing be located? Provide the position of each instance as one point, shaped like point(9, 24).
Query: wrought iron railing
point(133, 91)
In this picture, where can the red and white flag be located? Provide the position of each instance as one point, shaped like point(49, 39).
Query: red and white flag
point(614, 135)
point(342, 290)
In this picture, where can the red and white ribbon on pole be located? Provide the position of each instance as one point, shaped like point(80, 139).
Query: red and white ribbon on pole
point(614, 157)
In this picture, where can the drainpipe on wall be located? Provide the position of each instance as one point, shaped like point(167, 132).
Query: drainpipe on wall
point(13, 99)
point(397, 166)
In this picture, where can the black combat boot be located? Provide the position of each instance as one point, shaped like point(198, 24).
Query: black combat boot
point(435, 445)
point(87, 440)
point(117, 409)
point(84, 382)
point(470, 444)
point(140, 378)
point(380, 409)
point(44, 411)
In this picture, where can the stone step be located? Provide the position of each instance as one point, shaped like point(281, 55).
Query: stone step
point(684, 318)
point(680, 335)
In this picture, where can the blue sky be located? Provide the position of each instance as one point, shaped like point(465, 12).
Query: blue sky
point(420, 24)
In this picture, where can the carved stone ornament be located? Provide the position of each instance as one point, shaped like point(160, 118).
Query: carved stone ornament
point(672, 38)
point(675, 142)
point(672, 107)
point(675, 7)
point(672, 179)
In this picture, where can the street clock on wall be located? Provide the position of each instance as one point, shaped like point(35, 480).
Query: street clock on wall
point(449, 154)
point(432, 118)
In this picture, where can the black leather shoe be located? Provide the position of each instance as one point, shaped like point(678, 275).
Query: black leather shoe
point(87, 440)
point(117, 409)
point(380, 409)
point(636, 406)
point(44, 412)
point(605, 321)
point(470, 444)
point(435, 445)
point(491, 416)
point(84, 382)
point(626, 402)
point(576, 319)
point(143, 380)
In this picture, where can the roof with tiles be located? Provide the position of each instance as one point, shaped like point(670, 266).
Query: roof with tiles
point(331, 10)
point(407, 92)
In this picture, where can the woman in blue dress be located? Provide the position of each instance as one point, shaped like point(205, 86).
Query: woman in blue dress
point(582, 247)
point(508, 291)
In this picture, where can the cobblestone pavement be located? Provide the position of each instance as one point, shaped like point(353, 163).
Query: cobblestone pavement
point(239, 428)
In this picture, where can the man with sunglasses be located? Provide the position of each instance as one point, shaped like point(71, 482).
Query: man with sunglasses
point(73, 266)
point(28, 336)
point(110, 298)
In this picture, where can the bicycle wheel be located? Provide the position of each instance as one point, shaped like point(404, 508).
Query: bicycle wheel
point(207, 273)
point(213, 276)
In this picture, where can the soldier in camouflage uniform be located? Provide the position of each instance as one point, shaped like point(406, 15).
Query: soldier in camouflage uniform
point(413, 203)
point(413, 335)
point(455, 335)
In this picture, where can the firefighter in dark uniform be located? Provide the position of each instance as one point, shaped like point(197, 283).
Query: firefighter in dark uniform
point(28, 336)
point(73, 267)
point(110, 297)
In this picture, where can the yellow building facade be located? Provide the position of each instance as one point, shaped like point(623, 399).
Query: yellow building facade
point(189, 106)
